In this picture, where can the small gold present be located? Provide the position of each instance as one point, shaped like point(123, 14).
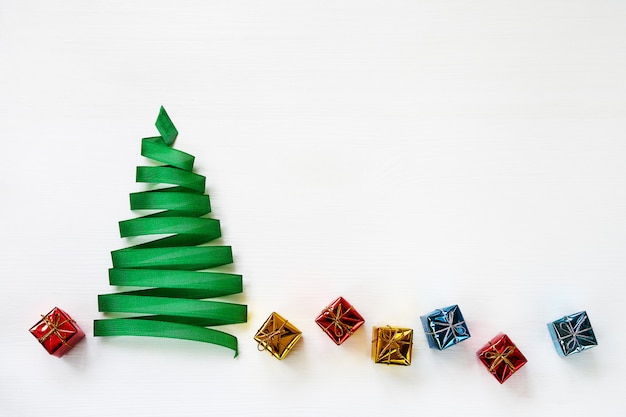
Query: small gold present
point(392, 345)
point(277, 336)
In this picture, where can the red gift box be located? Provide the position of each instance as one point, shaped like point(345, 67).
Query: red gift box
point(339, 320)
point(501, 357)
point(57, 332)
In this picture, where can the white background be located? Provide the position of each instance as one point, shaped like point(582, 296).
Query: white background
point(407, 155)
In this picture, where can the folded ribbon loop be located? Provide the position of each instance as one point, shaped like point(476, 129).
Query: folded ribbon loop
point(170, 268)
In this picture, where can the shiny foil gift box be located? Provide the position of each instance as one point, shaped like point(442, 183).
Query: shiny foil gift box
point(57, 332)
point(277, 336)
point(392, 345)
point(445, 327)
point(339, 320)
point(501, 357)
point(572, 334)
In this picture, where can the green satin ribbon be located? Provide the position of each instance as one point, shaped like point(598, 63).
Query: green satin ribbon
point(170, 269)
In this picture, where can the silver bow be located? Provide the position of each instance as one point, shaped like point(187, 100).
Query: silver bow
point(449, 326)
point(575, 332)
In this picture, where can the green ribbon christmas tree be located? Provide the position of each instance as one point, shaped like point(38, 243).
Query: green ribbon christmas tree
point(173, 269)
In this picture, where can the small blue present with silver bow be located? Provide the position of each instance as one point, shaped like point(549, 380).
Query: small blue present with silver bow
point(445, 327)
point(572, 334)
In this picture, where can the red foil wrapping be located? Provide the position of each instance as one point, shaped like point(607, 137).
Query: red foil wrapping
point(501, 357)
point(57, 332)
point(339, 320)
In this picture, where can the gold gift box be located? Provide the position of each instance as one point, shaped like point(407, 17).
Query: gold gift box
point(277, 336)
point(392, 345)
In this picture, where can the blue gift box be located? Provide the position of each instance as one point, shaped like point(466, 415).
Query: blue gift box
point(572, 334)
point(445, 327)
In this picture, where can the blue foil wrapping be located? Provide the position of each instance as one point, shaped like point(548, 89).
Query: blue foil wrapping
point(445, 327)
point(572, 334)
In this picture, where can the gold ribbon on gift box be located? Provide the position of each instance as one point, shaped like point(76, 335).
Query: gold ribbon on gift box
point(266, 338)
point(388, 336)
point(340, 326)
point(277, 336)
point(499, 357)
point(54, 328)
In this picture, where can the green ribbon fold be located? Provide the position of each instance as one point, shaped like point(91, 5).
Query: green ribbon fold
point(170, 269)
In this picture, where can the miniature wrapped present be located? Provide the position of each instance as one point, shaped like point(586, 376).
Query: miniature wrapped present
point(501, 357)
point(392, 345)
point(572, 334)
point(339, 320)
point(57, 332)
point(445, 327)
point(277, 336)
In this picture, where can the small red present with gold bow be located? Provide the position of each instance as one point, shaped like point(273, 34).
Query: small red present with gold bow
point(501, 357)
point(57, 332)
point(339, 320)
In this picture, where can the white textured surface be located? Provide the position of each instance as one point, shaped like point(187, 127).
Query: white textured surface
point(404, 154)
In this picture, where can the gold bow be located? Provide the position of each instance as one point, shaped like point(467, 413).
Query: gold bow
point(54, 328)
point(499, 357)
point(336, 321)
point(266, 338)
point(392, 346)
